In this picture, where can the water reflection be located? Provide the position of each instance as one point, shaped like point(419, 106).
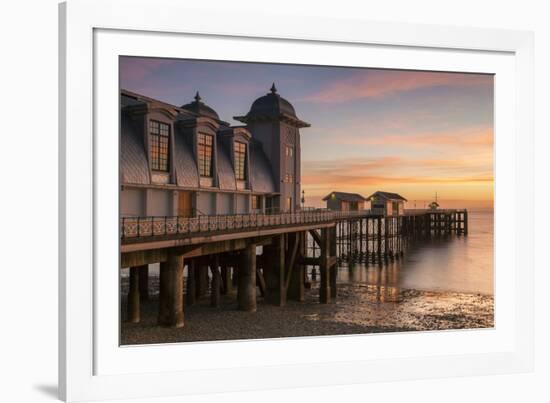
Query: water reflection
point(461, 264)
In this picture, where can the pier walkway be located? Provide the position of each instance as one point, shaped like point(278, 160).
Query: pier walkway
point(226, 246)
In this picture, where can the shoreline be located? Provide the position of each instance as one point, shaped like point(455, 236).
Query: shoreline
point(359, 309)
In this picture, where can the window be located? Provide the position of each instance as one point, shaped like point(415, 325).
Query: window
point(159, 136)
point(289, 204)
point(395, 207)
point(205, 154)
point(289, 178)
point(240, 158)
point(256, 202)
point(289, 151)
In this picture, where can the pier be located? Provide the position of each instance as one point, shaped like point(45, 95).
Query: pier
point(265, 253)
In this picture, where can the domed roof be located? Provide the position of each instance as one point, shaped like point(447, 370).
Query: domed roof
point(200, 108)
point(272, 106)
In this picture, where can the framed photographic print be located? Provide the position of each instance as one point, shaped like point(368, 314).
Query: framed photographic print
point(341, 203)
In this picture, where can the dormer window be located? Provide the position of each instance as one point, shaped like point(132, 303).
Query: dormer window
point(159, 136)
point(206, 143)
point(240, 161)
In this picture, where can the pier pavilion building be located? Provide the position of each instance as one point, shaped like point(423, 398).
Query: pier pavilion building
point(186, 161)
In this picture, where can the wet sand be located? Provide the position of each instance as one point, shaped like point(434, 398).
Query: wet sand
point(359, 308)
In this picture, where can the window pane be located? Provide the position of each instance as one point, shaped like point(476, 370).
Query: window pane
point(205, 143)
point(159, 145)
point(240, 160)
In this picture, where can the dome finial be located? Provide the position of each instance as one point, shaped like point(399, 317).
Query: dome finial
point(197, 97)
point(273, 89)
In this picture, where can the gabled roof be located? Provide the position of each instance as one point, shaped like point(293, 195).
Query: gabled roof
point(351, 197)
point(387, 196)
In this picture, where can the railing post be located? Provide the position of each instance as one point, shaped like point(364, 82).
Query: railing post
point(138, 228)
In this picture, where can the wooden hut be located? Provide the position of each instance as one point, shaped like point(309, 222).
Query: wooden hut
point(341, 201)
point(386, 203)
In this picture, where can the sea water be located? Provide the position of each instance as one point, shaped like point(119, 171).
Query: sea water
point(458, 264)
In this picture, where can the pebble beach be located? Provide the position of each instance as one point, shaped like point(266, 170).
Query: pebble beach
point(359, 309)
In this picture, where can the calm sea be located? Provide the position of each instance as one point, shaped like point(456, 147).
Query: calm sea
point(461, 264)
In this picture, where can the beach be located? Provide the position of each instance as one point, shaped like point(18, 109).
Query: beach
point(359, 309)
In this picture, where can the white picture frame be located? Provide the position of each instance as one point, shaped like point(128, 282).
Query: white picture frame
point(92, 366)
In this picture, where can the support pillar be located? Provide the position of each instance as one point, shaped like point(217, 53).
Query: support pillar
point(133, 296)
point(379, 239)
point(324, 289)
point(274, 271)
point(247, 279)
point(234, 266)
point(144, 282)
point(333, 268)
point(191, 294)
point(296, 287)
point(201, 277)
point(215, 286)
point(171, 292)
point(227, 284)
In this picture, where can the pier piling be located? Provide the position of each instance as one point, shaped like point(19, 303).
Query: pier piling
point(133, 296)
point(191, 292)
point(274, 271)
point(215, 286)
point(295, 281)
point(324, 289)
point(226, 279)
point(144, 282)
point(247, 279)
point(171, 292)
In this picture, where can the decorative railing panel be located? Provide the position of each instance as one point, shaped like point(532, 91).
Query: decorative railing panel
point(133, 227)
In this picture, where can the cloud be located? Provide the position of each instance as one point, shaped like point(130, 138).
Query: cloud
point(390, 172)
point(369, 180)
point(380, 83)
point(479, 163)
point(137, 69)
point(464, 138)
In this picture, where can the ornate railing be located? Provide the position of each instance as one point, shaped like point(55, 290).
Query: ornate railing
point(428, 211)
point(133, 227)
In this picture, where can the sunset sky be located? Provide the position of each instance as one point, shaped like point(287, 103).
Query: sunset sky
point(414, 133)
